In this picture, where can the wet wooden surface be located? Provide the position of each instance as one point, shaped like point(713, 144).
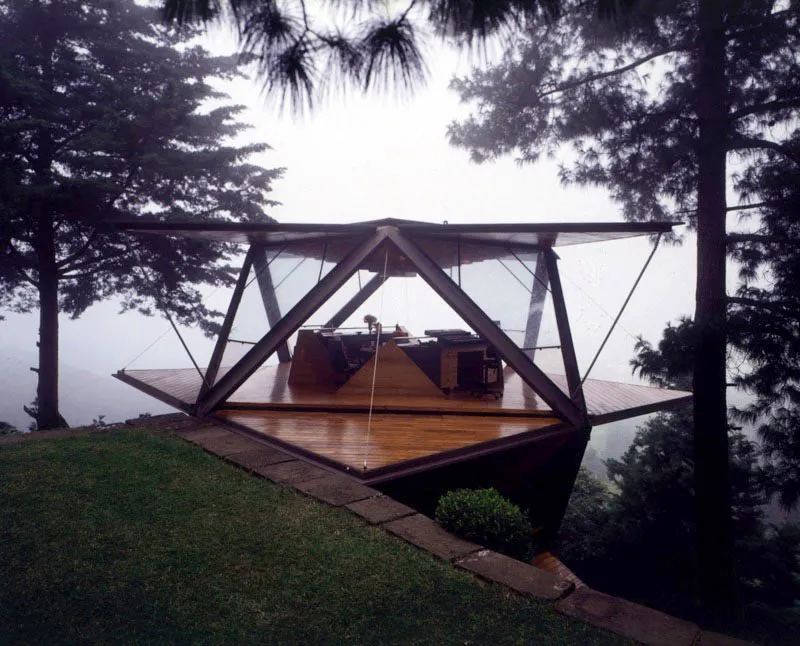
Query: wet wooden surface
point(269, 387)
point(348, 438)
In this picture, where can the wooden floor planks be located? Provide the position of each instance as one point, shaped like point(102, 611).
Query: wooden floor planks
point(344, 437)
point(268, 387)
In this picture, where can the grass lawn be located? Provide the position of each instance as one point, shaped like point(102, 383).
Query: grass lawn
point(138, 537)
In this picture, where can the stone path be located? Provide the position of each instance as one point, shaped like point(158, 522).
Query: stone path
point(258, 457)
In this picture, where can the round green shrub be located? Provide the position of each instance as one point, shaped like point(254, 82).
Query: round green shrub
point(485, 517)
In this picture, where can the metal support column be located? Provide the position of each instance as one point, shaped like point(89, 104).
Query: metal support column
point(536, 306)
point(268, 296)
point(293, 319)
point(354, 303)
point(467, 309)
point(565, 334)
point(227, 324)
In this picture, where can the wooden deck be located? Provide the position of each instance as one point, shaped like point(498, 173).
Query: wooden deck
point(408, 433)
point(344, 438)
point(268, 388)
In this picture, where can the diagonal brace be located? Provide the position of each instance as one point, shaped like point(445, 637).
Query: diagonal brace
point(268, 296)
point(568, 355)
point(286, 326)
point(372, 286)
point(465, 307)
point(227, 324)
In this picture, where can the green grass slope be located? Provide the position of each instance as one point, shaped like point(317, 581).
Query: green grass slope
point(139, 538)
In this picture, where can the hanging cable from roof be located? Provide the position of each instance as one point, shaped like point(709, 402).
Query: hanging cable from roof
point(162, 306)
point(375, 357)
point(203, 300)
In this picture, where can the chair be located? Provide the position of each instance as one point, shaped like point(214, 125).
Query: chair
point(491, 364)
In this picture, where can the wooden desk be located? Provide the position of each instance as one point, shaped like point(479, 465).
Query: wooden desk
point(454, 376)
point(450, 363)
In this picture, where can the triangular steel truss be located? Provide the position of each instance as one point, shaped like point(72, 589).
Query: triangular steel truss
point(569, 407)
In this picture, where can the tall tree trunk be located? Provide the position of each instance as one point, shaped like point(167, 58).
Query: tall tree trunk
point(717, 580)
point(48, 415)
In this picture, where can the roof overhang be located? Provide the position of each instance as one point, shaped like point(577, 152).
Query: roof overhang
point(550, 234)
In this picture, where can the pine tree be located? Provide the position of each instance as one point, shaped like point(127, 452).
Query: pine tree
point(763, 319)
point(635, 536)
point(103, 116)
point(654, 107)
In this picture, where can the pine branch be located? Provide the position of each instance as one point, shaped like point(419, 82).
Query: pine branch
point(84, 274)
point(73, 136)
point(65, 263)
point(768, 305)
point(761, 108)
point(27, 278)
point(571, 85)
point(21, 258)
point(737, 238)
point(92, 261)
point(755, 205)
point(754, 143)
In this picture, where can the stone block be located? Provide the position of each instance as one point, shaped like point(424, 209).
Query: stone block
point(254, 459)
point(425, 533)
point(380, 510)
point(157, 420)
point(196, 435)
point(291, 472)
point(336, 490)
point(525, 579)
point(229, 444)
point(626, 618)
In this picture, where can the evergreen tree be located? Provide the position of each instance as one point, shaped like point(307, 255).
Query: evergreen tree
point(635, 537)
point(653, 107)
point(763, 320)
point(7, 429)
point(104, 115)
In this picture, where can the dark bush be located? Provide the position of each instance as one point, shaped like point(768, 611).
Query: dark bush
point(485, 517)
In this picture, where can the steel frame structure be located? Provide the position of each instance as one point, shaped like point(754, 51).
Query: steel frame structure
point(572, 410)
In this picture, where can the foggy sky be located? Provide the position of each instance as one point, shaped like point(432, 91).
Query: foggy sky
point(367, 158)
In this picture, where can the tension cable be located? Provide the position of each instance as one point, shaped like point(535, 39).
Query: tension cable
point(621, 310)
point(377, 354)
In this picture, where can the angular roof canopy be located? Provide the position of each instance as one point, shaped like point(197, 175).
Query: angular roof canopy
point(550, 234)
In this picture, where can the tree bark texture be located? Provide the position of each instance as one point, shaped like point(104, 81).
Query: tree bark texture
point(47, 392)
point(717, 581)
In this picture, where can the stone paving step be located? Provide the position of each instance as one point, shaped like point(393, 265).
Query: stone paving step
point(709, 638)
point(225, 445)
point(336, 490)
point(525, 579)
point(291, 472)
point(259, 457)
point(202, 433)
point(425, 533)
point(638, 622)
point(551, 563)
point(380, 510)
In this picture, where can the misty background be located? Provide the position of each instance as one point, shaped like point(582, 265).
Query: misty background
point(359, 158)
